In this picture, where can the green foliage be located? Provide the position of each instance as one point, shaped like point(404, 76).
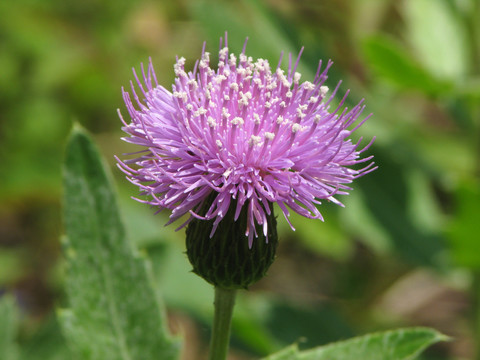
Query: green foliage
point(417, 63)
point(9, 320)
point(404, 344)
point(464, 244)
point(114, 311)
point(438, 37)
point(392, 63)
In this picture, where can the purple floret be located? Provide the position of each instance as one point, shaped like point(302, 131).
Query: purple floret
point(245, 133)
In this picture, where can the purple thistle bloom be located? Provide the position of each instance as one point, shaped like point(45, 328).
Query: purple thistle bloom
point(242, 132)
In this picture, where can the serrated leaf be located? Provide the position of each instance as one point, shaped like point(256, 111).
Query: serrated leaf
point(403, 344)
point(114, 312)
point(8, 328)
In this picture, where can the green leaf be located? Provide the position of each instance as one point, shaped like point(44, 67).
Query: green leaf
point(114, 312)
point(438, 37)
point(391, 61)
point(464, 244)
point(403, 344)
point(8, 328)
point(45, 343)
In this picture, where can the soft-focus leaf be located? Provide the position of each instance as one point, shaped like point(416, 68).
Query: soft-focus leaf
point(387, 194)
point(392, 62)
point(46, 343)
point(463, 232)
point(287, 322)
point(114, 312)
point(324, 237)
point(438, 37)
point(8, 328)
point(403, 344)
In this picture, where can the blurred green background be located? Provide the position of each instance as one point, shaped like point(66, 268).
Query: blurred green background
point(406, 249)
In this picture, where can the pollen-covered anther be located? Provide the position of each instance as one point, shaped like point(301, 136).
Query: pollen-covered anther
point(244, 99)
point(233, 60)
point(280, 119)
point(178, 67)
point(192, 82)
point(219, 143)
point(211, 122)
point(220, 78)
point(256, 119)
point(300, 114)
point(296, 128)
point(307, 85)
point(254, 140)
point(222, 54)
point(258, 82)
point(181, 95)
point(200, 111)
point(289, 94)
point(225, 113)
point(296, 78)
point(313, 99)
point(323, 90)
point(237, 120)
point(269, 135)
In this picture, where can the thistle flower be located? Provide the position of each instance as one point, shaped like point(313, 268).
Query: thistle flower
point(243, 136)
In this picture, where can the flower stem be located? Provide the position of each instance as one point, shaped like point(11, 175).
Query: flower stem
point(224, 303)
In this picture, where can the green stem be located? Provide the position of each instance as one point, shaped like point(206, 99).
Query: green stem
point(224, 303)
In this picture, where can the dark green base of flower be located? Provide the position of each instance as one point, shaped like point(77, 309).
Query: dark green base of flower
point(225, 260)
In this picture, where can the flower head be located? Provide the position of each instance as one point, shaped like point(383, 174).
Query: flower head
point(250, 135)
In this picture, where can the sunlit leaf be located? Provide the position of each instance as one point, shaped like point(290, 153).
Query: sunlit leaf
point(404, 344)
point(114, 311)
point(438, 37)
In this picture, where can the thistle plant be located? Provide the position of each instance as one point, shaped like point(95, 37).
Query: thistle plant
point(221, 152)
point(228, 143)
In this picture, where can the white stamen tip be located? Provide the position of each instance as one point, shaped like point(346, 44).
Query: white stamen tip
point(296, 128)
point(269, 135)
point(254, 140)
point(212, 123)
point(237, 121)
point(296, 77)
point(307, 85)
point(323, 90)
